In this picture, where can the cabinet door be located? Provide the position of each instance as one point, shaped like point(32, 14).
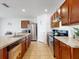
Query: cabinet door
point(24, 24)
point(65, 51)
point(3, 53)
point(75, 53)
point(29, 39)
point(57, 49)
point(23, 47)
point(26, 43)
point(55, 24)
point(75, 11)
point(64, 13)
point(52, 18)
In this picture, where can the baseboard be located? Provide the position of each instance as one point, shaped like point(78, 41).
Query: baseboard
point(33, 40)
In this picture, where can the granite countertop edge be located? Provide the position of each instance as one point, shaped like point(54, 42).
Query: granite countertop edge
point(74, 43)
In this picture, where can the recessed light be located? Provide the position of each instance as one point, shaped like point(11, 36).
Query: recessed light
point(23, 10)
point(45, 10)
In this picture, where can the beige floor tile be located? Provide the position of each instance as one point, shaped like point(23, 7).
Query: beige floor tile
point(35, 57)
point(38, 51)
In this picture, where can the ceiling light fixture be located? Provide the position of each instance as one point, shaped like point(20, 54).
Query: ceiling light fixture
point(46, 10)
point(23, 10)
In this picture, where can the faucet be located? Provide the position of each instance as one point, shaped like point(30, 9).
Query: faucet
point(15, 34)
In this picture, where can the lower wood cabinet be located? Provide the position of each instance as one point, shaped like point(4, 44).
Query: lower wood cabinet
point(23, 47)
point(17, 49)
point(3, 52)
point(26, 44)
point(75, 53)
point(63, 51)
point(29, 40)
point(57, 47)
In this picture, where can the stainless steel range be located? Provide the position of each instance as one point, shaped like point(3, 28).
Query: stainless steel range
point(51, 39)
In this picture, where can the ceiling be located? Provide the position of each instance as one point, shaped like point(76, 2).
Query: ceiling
point(33, 8)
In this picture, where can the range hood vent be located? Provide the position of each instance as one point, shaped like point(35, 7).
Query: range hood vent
point(4, 4)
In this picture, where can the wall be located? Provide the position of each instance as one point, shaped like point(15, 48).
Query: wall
point(13, 25)
point(0, 27)
point(34, 20)
point(43, 22)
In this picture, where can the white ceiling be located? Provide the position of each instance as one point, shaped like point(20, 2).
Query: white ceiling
point(33, 8)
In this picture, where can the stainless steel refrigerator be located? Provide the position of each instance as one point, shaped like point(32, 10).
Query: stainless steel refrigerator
point(34, 31)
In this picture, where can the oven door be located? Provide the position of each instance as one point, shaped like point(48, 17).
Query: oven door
point(51, 43)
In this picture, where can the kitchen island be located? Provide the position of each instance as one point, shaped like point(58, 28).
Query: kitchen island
point(66, 48)
point(11, 46)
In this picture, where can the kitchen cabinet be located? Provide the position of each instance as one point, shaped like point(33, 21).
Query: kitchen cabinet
point(3, 52)
point(69, 12)
point(52, 18)
point(63, 51)
point(64, 13)
point(29, 39)
point(16, 48)
point(24, 24)
point(54, 22)
point(23, 47)
point(75, 53)
point(74, 11)
point(57, 49)
point(26, 43)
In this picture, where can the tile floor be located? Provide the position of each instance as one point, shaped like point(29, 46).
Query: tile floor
point(38, 51)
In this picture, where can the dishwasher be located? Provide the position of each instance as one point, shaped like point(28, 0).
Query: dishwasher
point(15, 53)
point(50, 42)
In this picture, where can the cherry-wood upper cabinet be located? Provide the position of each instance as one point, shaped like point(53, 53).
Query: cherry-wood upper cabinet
point(24, 23)
point(52, 18)
point(74, 11)
point(69, 12)
point(54, 22)
point(64, 13)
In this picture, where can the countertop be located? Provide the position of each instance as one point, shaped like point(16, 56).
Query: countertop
point(7, 40)
point(74, 43)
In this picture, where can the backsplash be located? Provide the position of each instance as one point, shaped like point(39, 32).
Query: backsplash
point(69, 28)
